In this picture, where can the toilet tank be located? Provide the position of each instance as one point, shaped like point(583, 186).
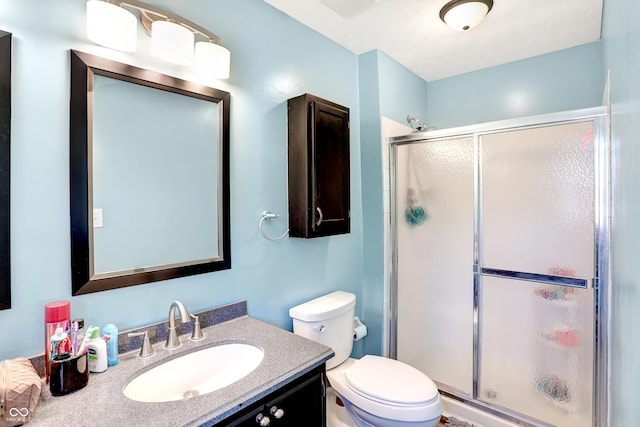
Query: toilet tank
point(329, 321)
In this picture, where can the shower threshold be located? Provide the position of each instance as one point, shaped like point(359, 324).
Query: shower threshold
point(476, 416)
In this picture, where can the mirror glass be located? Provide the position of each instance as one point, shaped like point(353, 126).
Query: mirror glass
point(5, 162)
point(154, 165)
point(151, 201)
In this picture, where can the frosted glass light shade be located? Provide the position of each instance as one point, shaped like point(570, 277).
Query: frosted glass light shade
point(213, 59)
point(172, 42)
point(463, 15)
point(111, 26)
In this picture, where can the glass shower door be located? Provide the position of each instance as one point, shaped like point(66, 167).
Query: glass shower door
point(434, 226)
point(537, 265)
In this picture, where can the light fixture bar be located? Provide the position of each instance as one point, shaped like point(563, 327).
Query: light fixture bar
point(172, 36)
point(150, 13)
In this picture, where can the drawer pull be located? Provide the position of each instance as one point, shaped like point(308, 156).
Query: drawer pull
point(262, 420)
point(277, 412)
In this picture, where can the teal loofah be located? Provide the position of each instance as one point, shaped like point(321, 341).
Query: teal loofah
point(415, 216)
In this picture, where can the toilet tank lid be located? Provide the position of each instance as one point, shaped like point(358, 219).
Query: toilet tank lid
point(324, 307)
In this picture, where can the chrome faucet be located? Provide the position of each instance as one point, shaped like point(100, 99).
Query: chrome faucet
point(172, 339)
point(146, 349)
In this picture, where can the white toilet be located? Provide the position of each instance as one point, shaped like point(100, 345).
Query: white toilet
point(377, 391)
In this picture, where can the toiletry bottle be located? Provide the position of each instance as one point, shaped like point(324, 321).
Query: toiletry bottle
point(110, 332)
point(57, 314)
point(60, 344)
point(97, 351)
point(77, 335)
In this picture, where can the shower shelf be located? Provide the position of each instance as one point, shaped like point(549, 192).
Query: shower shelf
point(555, 294)
point(564, 406)
point(567, 340)
point(554, 388)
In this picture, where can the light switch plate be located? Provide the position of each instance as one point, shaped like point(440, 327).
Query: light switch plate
point(97, 218)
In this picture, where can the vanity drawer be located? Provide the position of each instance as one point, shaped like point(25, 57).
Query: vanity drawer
point(299, 403)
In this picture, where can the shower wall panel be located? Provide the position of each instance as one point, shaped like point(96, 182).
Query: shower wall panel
point(434, 207)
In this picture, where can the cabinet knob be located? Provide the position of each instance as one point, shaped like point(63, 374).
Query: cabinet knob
point(319, 220)
point(262, 420)
point(277, 412)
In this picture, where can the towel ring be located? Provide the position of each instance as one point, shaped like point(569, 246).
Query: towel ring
point(270, 215)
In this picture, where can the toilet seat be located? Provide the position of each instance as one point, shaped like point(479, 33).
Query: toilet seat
point(370, 377)
point(387, 388)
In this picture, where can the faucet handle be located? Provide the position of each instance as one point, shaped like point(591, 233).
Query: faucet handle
point(146, 349)
point(197, 334)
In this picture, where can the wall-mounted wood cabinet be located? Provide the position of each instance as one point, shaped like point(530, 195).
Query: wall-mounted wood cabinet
point(319, 185)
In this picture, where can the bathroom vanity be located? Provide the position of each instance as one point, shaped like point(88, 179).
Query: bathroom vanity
point(286, 389)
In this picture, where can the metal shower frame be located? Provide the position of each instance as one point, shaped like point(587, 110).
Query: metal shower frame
point(600, 116)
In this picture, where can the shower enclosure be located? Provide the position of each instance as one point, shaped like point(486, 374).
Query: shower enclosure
point(500, 264)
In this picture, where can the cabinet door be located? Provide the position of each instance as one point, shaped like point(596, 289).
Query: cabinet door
point(330, 169)
point(301, 403)
point(318, 160)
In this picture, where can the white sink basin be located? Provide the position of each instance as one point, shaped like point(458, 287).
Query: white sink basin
point(195, 373)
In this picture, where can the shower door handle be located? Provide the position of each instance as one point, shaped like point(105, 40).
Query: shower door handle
point(550, 279)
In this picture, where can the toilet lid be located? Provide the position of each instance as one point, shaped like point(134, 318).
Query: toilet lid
point(390, 381)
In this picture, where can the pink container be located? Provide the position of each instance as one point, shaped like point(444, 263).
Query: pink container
point(57, 314)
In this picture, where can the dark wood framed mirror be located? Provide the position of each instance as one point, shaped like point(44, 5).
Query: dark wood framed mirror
point(149, 176)
point(5, 169)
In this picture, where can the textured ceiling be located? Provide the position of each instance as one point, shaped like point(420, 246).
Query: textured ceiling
point(411, 32)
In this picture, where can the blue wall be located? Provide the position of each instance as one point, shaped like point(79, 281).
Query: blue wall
point(386, 89)
point(565, 80)
point(273, 58)
point(369, 87)
point(621, 40)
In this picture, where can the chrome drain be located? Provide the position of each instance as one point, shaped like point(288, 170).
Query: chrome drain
point(190, 393)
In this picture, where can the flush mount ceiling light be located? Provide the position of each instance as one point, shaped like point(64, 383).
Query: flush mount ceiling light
point(462, 15)
point(111, 24)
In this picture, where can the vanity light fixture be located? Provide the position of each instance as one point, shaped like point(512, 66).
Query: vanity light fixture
point(462, 15)
point(110, 23)
point(172, 42)
point(111, 26)
point(213, 59)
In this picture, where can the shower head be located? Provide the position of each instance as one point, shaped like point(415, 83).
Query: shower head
point(419, 126)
